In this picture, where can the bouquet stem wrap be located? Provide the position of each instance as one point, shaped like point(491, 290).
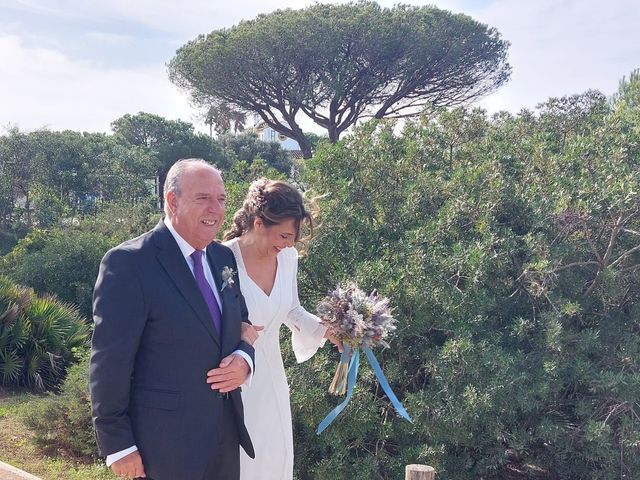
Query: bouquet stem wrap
point(339, 384)
point(352, 375)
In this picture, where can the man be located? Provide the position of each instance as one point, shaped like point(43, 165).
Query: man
point(167, 356)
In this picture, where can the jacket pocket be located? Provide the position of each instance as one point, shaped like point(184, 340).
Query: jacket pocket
point(158, 399)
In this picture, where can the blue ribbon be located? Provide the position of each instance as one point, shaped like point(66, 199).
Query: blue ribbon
point(385, 385)
point(351, 381)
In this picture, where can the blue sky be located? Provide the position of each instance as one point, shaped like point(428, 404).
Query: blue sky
point(77, 64)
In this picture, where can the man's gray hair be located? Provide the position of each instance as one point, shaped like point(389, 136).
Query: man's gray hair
point(174, 175)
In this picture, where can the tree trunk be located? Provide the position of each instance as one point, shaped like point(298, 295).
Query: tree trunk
point(27, 206)
point(334, 135)
point(305, 146)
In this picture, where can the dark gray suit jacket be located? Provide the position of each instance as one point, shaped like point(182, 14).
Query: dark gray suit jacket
point(153, 343)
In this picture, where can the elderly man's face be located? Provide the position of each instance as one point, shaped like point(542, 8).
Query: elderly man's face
point(198, 212)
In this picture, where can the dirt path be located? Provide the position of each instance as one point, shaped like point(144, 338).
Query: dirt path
point(8, 472)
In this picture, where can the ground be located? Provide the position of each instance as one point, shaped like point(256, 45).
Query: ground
point(17, 448)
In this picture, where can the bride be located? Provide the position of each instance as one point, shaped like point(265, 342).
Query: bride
point(262, 237)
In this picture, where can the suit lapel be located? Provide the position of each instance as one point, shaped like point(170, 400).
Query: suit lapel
point(174, 263)
point(216, 267)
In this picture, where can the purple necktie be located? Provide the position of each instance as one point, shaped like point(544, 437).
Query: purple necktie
point(205, 289)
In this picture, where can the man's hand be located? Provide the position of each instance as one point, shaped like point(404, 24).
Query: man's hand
point(231, 373)
point(129, 466)
point(333, 339)
point(249, 333)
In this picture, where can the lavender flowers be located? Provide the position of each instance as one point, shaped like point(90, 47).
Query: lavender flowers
point(357, 319)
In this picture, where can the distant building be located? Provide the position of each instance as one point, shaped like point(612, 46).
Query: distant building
point(268, 134)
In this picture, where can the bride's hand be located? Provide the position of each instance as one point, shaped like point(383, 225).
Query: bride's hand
point(249, 333)
point(333, 339)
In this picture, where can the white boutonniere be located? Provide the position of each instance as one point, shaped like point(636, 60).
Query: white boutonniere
point(227, 277)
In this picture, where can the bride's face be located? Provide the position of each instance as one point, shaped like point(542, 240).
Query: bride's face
point(276, 237)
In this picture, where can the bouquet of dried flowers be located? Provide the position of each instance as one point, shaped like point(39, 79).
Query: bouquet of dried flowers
point(357, 319)
point(360, 321)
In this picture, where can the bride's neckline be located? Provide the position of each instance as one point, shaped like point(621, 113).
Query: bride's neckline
point(241, 263)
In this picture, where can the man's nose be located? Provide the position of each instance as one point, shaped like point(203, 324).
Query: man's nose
point(216, 206)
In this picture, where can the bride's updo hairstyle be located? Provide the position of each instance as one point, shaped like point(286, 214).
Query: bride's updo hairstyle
point(272, 201)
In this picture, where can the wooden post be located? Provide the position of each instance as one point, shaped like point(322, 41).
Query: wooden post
point(419, 472)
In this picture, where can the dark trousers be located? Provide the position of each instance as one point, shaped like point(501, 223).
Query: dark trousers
point(225, 464)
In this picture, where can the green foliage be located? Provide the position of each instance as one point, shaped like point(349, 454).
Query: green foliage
point(509, 246)
point(62, 262)
point(49, 179)
point(225, 119)
point(118, 221)
point(63, 421)
point(52, 177)
point(37, 336)
point(336, 63)
point(166, 141)
point(247, 147)
point(628, 91)
point(49, 209)
point(65, 261)
point(8, 240)
point(510, 249)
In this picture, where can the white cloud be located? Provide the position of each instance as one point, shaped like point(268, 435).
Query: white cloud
point(563, 47)
point(113, 39)
point(186, 16)
point(44, 88)
point(559, 47)
point(37, 7)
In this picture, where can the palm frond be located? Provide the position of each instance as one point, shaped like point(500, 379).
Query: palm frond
point(10, 367)
point(37, 337)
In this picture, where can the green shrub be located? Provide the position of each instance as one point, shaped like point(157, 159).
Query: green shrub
point(8, 240)
point(247, 147)
point(48, 208)
point(65, 260)
point(510, 251)
point(37, 336)
point(63, 421)
point(61, 262)
point(120, 221)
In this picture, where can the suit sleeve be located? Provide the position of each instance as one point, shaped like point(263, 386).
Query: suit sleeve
point(119, 316)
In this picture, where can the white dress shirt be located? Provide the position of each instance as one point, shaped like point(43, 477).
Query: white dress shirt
point(187, 250)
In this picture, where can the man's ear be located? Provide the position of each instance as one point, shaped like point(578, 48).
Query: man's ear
point(172, 201)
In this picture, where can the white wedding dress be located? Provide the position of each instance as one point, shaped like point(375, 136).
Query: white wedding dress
point(267, 411)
